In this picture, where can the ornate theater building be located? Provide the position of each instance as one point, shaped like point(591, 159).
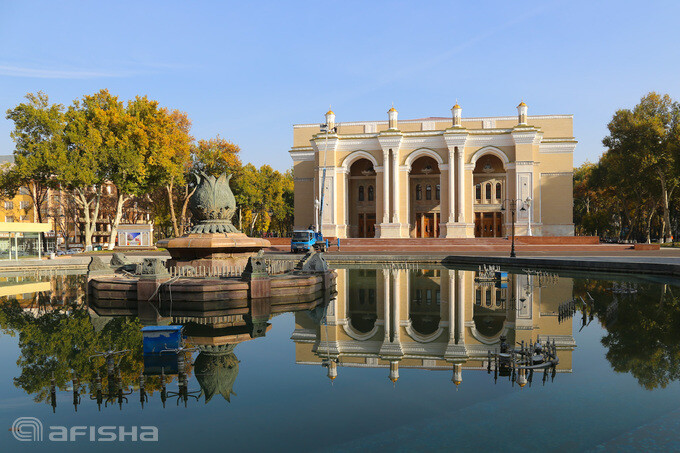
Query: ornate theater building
point(437, 319)
point(436, 177)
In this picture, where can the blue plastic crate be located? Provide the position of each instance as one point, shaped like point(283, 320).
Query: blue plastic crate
point(156, 339)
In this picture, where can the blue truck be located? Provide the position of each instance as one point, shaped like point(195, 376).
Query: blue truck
point(306, 240)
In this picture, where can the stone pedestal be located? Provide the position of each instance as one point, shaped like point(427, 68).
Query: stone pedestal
point(455, 351)
point(393, 230)
point(460, 230)
point(212, 250)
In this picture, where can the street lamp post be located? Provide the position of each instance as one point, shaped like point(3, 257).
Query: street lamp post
point(513, 207)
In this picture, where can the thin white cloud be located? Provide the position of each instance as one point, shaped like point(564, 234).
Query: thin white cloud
point(46, 73)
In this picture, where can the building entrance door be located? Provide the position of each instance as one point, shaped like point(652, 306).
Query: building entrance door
point(370, 225)
point(366, 225)
point(426, 225)
point(488, 224)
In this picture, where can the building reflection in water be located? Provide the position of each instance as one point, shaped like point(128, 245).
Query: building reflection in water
point(436, 319)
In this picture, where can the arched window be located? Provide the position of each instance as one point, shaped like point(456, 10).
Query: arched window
point(499, 193)
point(419, 192)
point(370, 193)
point(428, 192)
point(437, 192)
point(361, 193)
point(488, 191)
point(478, 192)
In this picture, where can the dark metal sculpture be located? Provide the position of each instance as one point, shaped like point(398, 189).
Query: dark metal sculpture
point(213, 205)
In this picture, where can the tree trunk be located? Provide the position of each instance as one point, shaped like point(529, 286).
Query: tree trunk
point(90, 217)
point(252, 224)
point(173, 216)
point(666, 221)
point(185, 205)
point(649, 224)
point(116, 220)
point(95, 214)
point(84, 205)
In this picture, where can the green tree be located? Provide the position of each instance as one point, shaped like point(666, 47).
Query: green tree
point(265, 199)
point(166, 145)
point(96, 129)
point(40, 148)
point(644, 143)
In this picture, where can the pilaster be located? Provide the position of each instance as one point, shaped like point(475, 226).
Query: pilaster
point(456, 227)
point(325, 148)
point(390, 142)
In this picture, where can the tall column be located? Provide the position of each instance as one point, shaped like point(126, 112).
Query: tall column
point(455, 348)
point(346, 203)
point(452, 307)
point(386, 303)
point(460, 189)
point(386, 185)
point(391, 345)
point(460, 303)
point(395, 184)
point(396, 289)
point(452, 184)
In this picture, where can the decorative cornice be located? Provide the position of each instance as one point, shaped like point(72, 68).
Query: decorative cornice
point(522, 163)
point(455, 138)
point(319, 143)
point(390, 140)
point(558, 173)
point(526, 136)
point(302, 156)
point(556, 147)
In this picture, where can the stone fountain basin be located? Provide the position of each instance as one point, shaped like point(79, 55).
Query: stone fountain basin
point(212, 249)
point(211, 296)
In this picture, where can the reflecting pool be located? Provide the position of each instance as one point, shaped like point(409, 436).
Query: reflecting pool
point(398, 358)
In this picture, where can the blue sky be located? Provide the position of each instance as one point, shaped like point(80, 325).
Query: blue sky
point(249, 70)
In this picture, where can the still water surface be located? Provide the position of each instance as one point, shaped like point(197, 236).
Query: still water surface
point(384, 364)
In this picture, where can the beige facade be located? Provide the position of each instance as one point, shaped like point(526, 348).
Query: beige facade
point(438, 319)
point(436, 177)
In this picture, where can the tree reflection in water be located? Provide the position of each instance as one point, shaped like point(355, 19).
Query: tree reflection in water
point(643, 329)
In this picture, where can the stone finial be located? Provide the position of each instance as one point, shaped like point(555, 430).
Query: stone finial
point(522, 113)
point(392, 117)
point(330, 119)
point(457, 111)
